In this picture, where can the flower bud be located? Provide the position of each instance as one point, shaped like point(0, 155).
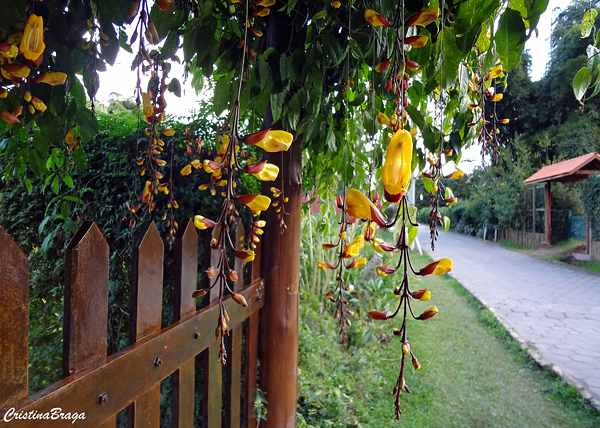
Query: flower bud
point(377, 315)
point(239, 299)
point(199, 293)
point(429, 313)
point(422, 295)
point(405, 348)
point(415, 363)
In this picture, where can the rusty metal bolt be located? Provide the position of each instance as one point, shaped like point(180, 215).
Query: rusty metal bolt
point(197, 335)
point(103, 398)
point(158, 362)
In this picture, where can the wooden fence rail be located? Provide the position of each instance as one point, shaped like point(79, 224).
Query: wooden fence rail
point(100, 386)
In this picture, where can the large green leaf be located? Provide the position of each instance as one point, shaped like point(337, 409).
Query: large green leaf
point(165, 21)
point(451, 58)
point(510, 38)
point(114, 11)
point(470, 15)
point(221, 98)
point(581, 82)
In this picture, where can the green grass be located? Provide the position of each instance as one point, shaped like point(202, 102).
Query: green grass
point(511, 245)
point(569, 244)
point(473, 374)
point(591, 265)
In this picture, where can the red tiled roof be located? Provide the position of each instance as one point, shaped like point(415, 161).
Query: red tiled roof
point(576, 169)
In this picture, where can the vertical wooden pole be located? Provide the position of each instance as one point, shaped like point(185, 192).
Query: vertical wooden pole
point(145, 316)
point(213, 369)
point(186, 281)
point(86, 303)
point(533, 209)
point(280, 268)
point(548, 213)
point(233, 369)
point(588, 235)
point(251, 366)
point(14, 321)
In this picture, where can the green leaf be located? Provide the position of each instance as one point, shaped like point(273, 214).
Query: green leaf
point(293, 111)
point(124, 41)
point(593, 55)
point(510, 38)
point(451, 58)
point(114, 11)
point(68, 180)
point(588, 22)
point(80, 158)
point(55, 185)
point(28, 185)
point(221, 98)
point(429, 184)
point(175, 87)
point(415, 116)
point(446, 224)
point(581, 83)
point(412, 233)
point(165, 21)
point(37, 164)
point(64, 210)
point(469, 17)
point(320, 15)
point(87, 123)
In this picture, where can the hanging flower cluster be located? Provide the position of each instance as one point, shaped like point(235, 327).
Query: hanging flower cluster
point(347, 254)
point(229, 161)
point(21, 54)
point(399, 67)
point(395, 176)
point(223, 170)
point(485, 95)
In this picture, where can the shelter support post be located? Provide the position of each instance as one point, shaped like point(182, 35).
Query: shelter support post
point(548, 213)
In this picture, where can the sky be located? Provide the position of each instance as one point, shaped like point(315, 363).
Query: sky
point(118, 79)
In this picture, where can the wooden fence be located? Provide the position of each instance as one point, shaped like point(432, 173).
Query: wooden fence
point(520, 237)
point(595, 250)
point(100, 386)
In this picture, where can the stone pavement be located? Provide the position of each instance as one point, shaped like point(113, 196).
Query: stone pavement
point(554, 310)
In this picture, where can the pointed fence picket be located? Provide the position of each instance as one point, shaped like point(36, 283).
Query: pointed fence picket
point(100, 386)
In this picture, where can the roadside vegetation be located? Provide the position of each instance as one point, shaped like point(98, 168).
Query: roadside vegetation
point(473, 373)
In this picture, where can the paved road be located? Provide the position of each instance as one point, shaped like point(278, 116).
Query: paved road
point(553, 308)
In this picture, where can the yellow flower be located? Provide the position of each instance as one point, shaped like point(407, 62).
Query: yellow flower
point(203, 223)
point(444, 266)
point(359, 206)
point(336, 4)
point(262, 12)
point(354, 247)
point(8, 50)
point(383, 119)
point(148, 108)
point(52, 79)
point(32, 43)
point(186, 170)
point(276, 141)
point(397, 168)
point(255, 202)
point(360, 263)
point(38, 104)
point(376, 19)
point(423, 18)
point(268, 173)
point(265, 3)
point(245, 255)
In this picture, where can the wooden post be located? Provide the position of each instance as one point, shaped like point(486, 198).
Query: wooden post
point(145, 317)
point(280, 262)
point(548, 213)
point(280, 268)
point(86, 303)
point(14, 321)
point(186, 281)
point(533, 211)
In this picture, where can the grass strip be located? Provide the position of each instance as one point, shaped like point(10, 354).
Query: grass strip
point(473, 374)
